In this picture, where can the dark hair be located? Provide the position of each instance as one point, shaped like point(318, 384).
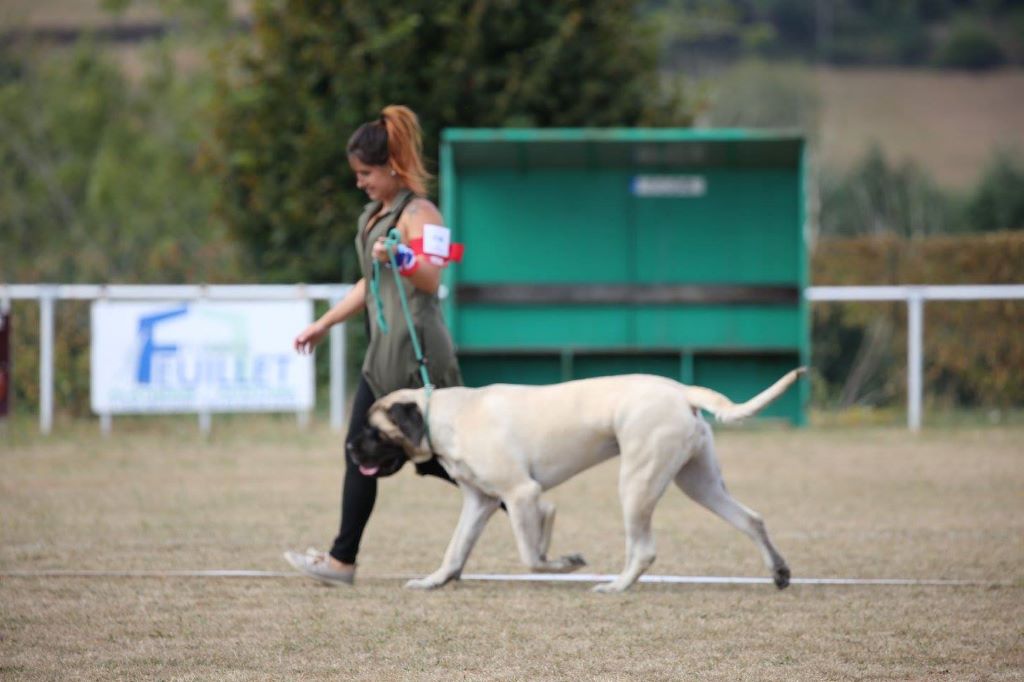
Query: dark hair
point(393, 138)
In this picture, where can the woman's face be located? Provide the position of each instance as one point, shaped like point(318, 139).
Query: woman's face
point(377, 181)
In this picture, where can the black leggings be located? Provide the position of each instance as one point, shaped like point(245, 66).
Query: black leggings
point(358, 493)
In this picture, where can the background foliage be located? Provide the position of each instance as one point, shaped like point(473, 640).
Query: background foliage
point(313, 70)
point(227, 165)
point(99, 181)
point(99, 184)
point(974, 351)
point(879, 197)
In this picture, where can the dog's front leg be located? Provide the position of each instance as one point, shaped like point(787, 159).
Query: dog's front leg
point(532, 520)
point(476, 510)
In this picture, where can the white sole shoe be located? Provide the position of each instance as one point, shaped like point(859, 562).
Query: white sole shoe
point(316, 564)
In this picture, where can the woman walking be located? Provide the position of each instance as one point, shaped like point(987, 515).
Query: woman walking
point(386, 156)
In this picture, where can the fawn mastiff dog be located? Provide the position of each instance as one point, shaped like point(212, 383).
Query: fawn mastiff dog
point(509, 443)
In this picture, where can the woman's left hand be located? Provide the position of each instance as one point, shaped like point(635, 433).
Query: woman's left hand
point(380, 251)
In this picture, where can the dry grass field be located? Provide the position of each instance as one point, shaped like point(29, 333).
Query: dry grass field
point(866, 503)
point(949, 122)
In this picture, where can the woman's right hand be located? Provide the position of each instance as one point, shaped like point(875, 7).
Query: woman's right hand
point(309, 337)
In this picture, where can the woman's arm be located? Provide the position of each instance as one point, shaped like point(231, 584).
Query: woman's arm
point(418, 213)
point(350, 304)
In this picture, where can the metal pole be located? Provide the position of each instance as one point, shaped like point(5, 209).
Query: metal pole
point(6, 370)
point(46, 304)
point(915, 358)
point(337, 353)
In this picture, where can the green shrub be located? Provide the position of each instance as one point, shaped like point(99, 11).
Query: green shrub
point(876, 197)
point(760, 95)
point(997, 203)
point(971, 46)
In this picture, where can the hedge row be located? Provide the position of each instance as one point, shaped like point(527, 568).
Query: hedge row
point(974, 350)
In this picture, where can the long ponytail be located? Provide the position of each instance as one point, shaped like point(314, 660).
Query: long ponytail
point(396, 139)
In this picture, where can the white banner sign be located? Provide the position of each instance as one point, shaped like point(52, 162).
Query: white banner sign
point(688, 186)
point(204, 356)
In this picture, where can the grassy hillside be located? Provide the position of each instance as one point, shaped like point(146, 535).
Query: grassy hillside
point(949, 122)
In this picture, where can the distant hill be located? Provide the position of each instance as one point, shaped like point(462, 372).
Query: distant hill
point(943, 33)
point(949, 122)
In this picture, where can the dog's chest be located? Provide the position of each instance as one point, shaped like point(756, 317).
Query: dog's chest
point(462, 473)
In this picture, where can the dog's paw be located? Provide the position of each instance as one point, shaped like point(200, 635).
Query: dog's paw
point(563, 564)
point(781, 577)
point(609, 588)
point(575, 561)
point(427, 583)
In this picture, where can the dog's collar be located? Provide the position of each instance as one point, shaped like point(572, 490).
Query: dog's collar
point(427, 390)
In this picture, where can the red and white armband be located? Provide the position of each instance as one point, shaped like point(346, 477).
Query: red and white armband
point(436, 246)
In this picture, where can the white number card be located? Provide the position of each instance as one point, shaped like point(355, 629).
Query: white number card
point(436, 240)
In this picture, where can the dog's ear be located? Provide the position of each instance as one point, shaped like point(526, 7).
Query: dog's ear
point(409, 420)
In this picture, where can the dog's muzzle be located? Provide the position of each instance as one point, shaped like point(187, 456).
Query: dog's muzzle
point(374, 455)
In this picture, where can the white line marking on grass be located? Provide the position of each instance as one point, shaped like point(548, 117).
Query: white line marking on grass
point(720, 580)
point(517, 577)
point(59, 573)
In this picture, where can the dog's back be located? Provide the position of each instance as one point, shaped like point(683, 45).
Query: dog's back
point(613, 390)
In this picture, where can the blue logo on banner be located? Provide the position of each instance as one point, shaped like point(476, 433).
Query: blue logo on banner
point(147, 325)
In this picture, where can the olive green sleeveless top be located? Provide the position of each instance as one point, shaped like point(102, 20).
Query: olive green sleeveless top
point(390, 362)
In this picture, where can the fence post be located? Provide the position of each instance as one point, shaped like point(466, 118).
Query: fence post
point(915, 357)
point(47, 296)
point(6, 373)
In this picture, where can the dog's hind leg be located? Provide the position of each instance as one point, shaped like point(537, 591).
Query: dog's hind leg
point(532, 520)
point(477, 508)
point(642, 482)
point(701, 480)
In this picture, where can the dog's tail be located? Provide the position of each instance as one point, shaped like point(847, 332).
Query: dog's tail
point(726, 410)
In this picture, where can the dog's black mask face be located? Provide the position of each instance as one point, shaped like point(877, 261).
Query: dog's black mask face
point(375, 454)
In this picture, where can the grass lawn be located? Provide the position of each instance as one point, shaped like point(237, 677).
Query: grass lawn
point(865, 502)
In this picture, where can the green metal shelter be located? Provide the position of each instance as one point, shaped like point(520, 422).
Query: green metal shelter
point(677, 252)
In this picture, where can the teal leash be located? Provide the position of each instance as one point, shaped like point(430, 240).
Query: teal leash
point(390, 243)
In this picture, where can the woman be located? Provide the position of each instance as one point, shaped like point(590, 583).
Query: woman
point(386, 156)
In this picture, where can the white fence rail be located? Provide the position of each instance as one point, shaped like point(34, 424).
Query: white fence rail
point(49, 294)
point(915, 297)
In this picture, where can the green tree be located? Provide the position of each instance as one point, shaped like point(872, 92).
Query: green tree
point(760, 95)
point(98, 176)
point(971, 46)
point(99, 184)
point(997, 202)
point(876, 197)
point(312, 70)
